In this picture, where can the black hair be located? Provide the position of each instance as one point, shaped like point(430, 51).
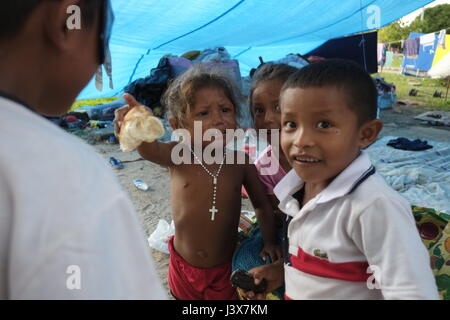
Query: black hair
point(270, 72)
point(14, 13)
point(343, 74)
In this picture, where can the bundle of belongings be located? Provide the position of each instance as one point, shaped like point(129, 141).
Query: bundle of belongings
point(103, 112)
point(150, 89)
point(386, 93)
point(294, 60)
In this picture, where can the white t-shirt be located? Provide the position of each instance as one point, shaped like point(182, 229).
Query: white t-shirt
point(67, 229)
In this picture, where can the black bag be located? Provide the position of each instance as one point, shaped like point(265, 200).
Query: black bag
point(149, 90)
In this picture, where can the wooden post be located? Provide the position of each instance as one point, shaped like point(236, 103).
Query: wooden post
point(448, 84)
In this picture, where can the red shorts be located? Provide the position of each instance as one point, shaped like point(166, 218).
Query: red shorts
point(187, 282)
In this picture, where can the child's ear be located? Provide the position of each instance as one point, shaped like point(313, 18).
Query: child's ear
point(369, 132)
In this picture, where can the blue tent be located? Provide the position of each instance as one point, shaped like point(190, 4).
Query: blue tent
point(145, 30)
point(424, 60)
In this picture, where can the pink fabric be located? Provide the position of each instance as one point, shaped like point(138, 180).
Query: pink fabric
point(263, 164)
point(379, 51)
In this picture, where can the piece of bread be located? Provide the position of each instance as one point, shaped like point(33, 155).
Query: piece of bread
point(138, 126)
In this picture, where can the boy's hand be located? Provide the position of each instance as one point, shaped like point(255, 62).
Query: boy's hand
point(274, 275)
point(120, 113)
point(273, 251)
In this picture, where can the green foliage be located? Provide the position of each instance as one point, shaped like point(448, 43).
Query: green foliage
point(435, 19)
point(393, 32)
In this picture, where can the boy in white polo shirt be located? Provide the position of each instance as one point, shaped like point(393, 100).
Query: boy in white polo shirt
point(349, 235)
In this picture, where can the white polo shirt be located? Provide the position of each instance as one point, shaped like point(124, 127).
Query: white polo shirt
point(356, 222)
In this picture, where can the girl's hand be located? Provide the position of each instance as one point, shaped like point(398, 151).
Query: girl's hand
point(120, 113)
point(273, 251)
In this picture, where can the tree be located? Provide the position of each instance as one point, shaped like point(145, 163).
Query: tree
point(393, 32)
point(435, 19)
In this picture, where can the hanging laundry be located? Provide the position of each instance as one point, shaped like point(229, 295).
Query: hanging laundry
point(382, 49)
point(379, 51)
point(427, 39)
point(383, 52)
point(389, 59)
point(441, 41)
point(411, 48)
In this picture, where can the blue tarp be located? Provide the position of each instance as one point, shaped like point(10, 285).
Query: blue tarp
point(424, 60)
point(145, 30)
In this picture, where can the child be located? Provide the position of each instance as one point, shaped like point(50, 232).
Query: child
point(347, 226)
point(206, 215)
point(63, 214)
point(264, 107)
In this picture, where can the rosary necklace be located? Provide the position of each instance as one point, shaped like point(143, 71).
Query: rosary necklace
point(215, 177)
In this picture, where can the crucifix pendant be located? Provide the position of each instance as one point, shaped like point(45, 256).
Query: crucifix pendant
point(213, 211)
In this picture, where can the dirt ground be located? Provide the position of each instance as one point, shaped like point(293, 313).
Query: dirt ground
point(399, 121)
point(154, 204)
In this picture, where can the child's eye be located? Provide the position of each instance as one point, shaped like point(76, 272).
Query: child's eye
point(259, 110)
point(290, 125)
point(324, 125)
point(225, 110)
point(203, 113)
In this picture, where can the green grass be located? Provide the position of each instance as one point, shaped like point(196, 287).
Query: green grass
point(90, 102)
point(426, 88)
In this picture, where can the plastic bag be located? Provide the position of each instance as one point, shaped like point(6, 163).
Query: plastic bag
point(159, 238)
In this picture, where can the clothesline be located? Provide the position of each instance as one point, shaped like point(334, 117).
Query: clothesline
point(397, 41)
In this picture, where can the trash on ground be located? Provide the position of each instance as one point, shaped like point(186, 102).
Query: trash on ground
point(158, 240)
point(115, 163)
point(140, 184)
